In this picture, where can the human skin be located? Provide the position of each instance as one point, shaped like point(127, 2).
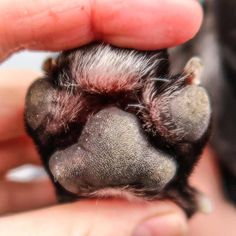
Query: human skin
point(58, 25)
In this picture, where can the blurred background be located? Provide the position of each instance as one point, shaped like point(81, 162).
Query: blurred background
point(25, 60)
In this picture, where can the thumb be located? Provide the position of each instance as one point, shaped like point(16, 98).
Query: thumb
point(100, 218)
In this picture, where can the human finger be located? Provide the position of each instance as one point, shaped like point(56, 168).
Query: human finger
point(100, 218)
point(22, 196)
point(206, 178)
point(17, 152)
point(13, 87)
point(58, 24)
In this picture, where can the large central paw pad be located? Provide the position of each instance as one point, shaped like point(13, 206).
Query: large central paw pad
point(112, 151)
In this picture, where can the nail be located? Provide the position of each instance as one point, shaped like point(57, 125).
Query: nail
point(204, 203)
point(167, 225)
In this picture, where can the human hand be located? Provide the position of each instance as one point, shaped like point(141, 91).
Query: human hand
point(58, 25)
point(206, 178)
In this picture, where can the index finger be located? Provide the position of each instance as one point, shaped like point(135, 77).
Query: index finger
point(59, 24)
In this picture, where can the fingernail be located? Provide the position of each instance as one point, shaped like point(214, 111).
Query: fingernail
point(168, 225)
point(204, 203)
